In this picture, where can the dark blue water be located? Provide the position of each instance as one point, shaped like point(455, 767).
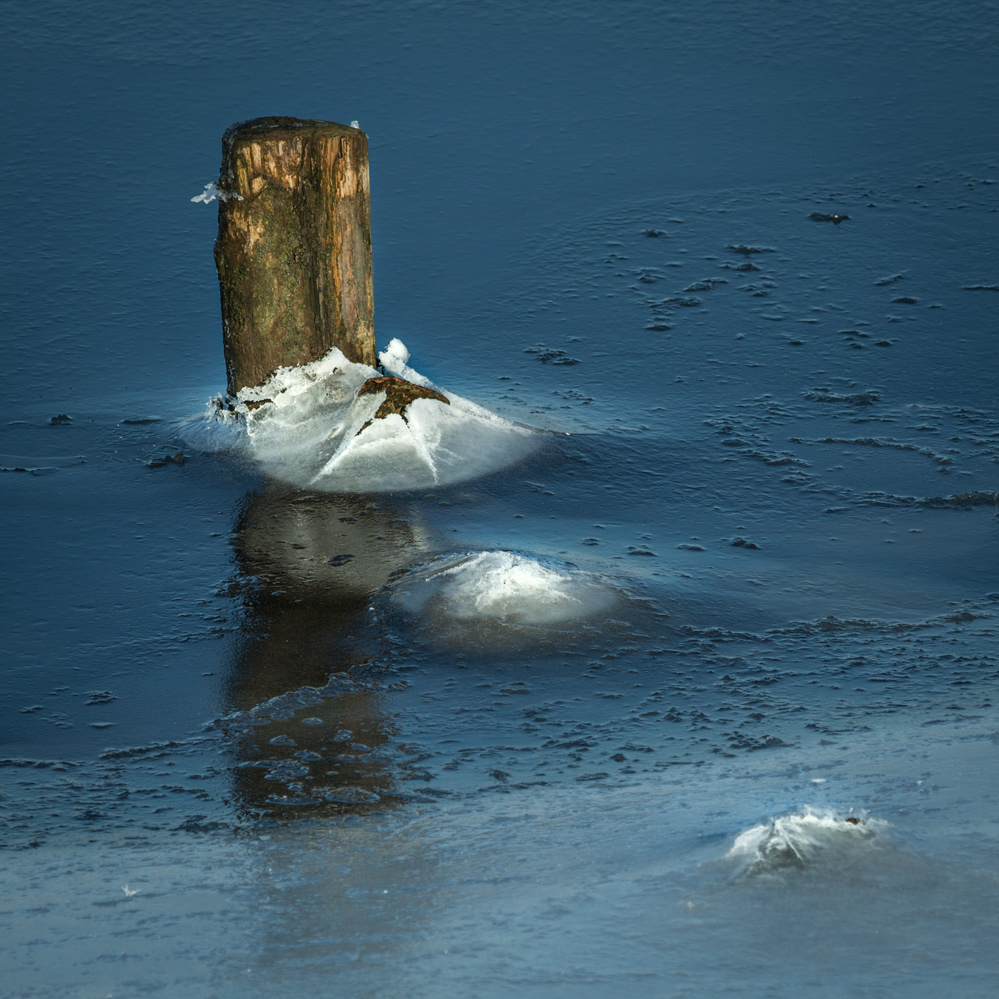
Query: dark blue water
point(778, 454)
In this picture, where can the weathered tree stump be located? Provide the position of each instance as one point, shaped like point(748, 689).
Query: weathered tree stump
point(294, 246)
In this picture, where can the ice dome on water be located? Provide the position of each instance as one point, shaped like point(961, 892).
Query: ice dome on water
point(309, 426)
point(504, 587)
point(801, 839)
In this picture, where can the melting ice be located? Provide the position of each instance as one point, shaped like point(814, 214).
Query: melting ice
point(308, 426)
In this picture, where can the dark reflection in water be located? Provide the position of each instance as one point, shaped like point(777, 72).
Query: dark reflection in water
point(325, 548)
point(306, 717)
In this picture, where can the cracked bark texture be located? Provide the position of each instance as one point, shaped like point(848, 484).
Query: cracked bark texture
point(294, 246)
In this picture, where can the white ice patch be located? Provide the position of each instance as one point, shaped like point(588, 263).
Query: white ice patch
point(213, 191)
point(801, 839)
point(503, 586)
point(307, 426)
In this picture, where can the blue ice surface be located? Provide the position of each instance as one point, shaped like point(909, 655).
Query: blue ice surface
point(776, 444)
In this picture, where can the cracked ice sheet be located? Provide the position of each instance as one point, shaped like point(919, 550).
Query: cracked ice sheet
point(310, 434)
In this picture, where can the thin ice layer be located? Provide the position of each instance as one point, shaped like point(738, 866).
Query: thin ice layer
point(308, 426)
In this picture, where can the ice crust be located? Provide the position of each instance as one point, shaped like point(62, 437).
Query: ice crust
point(503, 586)
point(304, 426)
point(801, 839)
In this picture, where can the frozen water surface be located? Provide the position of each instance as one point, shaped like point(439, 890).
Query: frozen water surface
point(671, 670)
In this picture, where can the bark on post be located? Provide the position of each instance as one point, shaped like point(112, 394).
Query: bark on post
point(294, 246)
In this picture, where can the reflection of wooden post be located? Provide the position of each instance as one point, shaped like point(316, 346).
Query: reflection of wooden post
point(294, 246)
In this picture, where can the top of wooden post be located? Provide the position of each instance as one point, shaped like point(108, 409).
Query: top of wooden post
point(278, 128)
point(294, 246)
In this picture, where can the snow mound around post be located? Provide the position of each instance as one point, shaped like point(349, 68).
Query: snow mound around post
point(308, 426)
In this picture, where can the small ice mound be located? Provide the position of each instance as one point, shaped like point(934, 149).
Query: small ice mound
point(802, 839)
point(311, 426)
point(503, 587)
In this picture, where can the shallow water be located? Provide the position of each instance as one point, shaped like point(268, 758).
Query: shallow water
point(503, 735)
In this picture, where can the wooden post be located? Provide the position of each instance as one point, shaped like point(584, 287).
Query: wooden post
point(294, 246)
